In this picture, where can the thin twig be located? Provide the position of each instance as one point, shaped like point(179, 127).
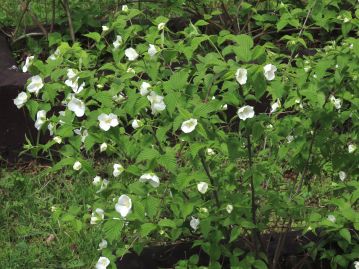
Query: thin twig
point(208, 173)
point(65, 5)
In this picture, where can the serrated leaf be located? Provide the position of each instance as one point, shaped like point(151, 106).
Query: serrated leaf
point(147, 228)
point(104, 98)
point(168, 161)
point(345, 234)
point(147, 155)
point(112, 229)
point(93, 35)
point(167, 223)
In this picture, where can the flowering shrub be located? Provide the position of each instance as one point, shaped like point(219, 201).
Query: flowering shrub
point(188, 151)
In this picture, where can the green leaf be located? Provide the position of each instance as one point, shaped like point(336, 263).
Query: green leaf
point(259, 264)
point(345, 234)
point(236, 231)
point(112, 229)
point(178, 81)
point(147, 228)
point(168, 160)
point(147, 155)
point(167, 223)
point(93, 35)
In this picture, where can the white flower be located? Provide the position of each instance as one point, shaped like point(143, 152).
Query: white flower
point(40, 119)
point(161, 26)
point(83, 133)
point(77, 166)
point(269, 71)
point(336, 102)
point(157, 103)
point(58, 139)
point(117, 169)
point(342, 175)
point(103, 147)
point(20, 100)
point(97, 216)
point(77, 106)
point(144, 88)
point(306, 69)
point(118, 42)
point(136, 124)
point(189, 125)
point(356, 264)
point(105, 28)
point(35, 84)
point(71, 73)
point(124, 8)
point(152, 50)
point(27, 64)
point(241, 76)
point(331, 218)
point(118, 98)
point(53, 208)
point(50, 127)
point(131, 54)
point(351, 148)
point(123, 205)
point(229, 208)
point(210, 152)
point(224, 107)
point(97, 180)
point(107, 121)
point(102, 244)
point(53, 56)
point(131, 70)
point(202, 187)
point(104, 184)
point(73, 81)
point(194, 223)
point(245, 112)
point(275, 106)
point(150, 178)
point(290, 139)
point(102, 263)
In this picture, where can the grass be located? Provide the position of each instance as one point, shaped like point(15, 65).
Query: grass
point(31, 234)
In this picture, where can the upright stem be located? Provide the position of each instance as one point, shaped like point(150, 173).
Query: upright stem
point(255, 235)
point(65, 5)
point(206, 169)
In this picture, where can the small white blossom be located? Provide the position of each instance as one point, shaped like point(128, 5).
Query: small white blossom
point(58, 139)
point(77, 166)
point(131, 70)
point(102, 263)
point(102, 244)
point(150, 178)
point(105, 28)
point(241, 76)
point(275, 106)
point(202, 187)
point(210, 152)
point(77, 106)
point(123, 205)
point(118, 42)
point(83, 133)
point(269, 71)
point(35, 84)
point(40, 119)
point(131, 54)
point(229, 208)
point(331, 218)
point(194, 223)
point(336, 102)
point(157, 103)
point(144, 88)
point(97, 216)
point(97, 180)
point(103, 147)
point(290, 139)
point(107, 121)
point(152, 50)
point(356, 264)
point(342, 175)
point(224, 107)
point(20, 100)
point(245, 112)
point(117, 169)
point(124, 8)
point(161, 26)
point(118, 98)
point(189, 125)
point(351, 148)
point(27, 64)
point(136, 124)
